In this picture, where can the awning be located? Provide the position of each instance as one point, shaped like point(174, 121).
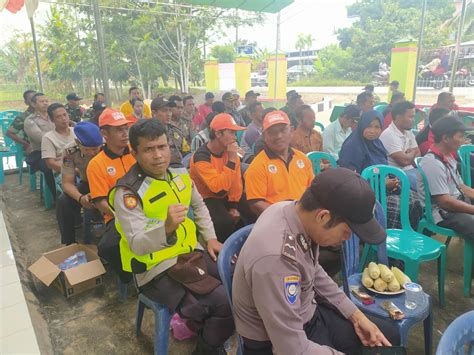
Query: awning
point(272, 6)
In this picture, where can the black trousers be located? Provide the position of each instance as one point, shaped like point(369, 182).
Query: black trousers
point(224, 224)
point(462, 223)
point(109, 249)
point(328, 327)
point(66, 211)
point(210, 313)
point(38, 164)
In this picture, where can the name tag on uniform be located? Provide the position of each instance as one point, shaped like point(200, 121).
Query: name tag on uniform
point(179, 183)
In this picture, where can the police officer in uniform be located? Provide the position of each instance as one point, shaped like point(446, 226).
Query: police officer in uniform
point(161, 110)
point(284, 302)
point(159, 242)
point(72, 107)
point(76, 156)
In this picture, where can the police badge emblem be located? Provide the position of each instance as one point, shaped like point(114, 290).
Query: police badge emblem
point(292, 287)
point(130, 201)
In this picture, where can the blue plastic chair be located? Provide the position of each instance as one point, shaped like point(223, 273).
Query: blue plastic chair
point(8, 148)
point(317, 157)
point(405, 244)
point(380, 107)
point(464, 154)
point(320, 125)
point(336, 112)
point(9, 114)
point(231, 247)
point(428, 223)
point(162, 322)
point(45, 192)
point(458, 334)
point(351, 277)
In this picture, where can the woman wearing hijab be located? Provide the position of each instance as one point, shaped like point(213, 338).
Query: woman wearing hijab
point(362, 149)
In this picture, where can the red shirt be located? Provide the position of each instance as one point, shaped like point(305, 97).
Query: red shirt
point(387, 120)
point(436, 105)
point(199, 118)
point(426, 145)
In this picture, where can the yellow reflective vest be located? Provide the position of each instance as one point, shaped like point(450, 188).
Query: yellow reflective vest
point(155, 197)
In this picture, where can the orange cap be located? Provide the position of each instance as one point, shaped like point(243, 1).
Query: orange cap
point(225, 121)
point(275, 117)
point(112, 117)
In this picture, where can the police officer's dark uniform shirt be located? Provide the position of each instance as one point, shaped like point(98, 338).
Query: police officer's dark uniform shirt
point(17, 126)
point(178, 144)
point(276, 280)
point(75, 113)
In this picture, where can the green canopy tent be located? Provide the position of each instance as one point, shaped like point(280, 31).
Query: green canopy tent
point(271, 6)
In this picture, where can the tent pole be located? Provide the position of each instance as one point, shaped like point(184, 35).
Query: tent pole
point(100, 40)
point(35, 45)
point(420, 45)
point(458, 45)
point(277, 49)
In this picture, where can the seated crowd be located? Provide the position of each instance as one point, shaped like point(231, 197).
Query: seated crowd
point(172, 181)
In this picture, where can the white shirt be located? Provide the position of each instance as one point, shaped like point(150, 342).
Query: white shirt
point(53, 143)
point(395, 141)
point(333, 137)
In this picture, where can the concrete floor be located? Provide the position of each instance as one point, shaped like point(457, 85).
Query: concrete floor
point(98, 323)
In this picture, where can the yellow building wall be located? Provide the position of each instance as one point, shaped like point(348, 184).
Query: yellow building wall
point(211, 75)
point(243, 66)
point(403, 67)
point(279, 79)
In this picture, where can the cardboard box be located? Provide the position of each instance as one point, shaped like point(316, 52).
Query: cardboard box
point(73, 281)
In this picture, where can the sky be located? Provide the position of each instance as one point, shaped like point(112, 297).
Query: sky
point(320, 18)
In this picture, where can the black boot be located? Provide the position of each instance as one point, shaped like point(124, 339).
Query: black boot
point(202, 348)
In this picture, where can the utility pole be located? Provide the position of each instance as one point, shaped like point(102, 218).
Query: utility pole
point(100, 41)
point(458, 45)
point(277, 50)
point(35, 45)
point(420, 46)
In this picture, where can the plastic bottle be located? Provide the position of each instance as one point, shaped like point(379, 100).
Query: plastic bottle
point(81, 257)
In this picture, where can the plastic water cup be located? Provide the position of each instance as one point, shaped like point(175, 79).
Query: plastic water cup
point(414, 295)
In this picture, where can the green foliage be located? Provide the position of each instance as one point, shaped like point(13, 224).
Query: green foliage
point(147, 44)
point(224, 53)
point(383, 22)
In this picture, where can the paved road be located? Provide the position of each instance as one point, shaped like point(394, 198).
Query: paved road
point(461, 91)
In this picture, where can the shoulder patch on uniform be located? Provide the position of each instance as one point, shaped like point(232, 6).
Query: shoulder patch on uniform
point(288, 249)
point(292, 288)
point(130, 201)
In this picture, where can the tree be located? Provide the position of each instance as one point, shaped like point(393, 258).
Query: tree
point(334, 63)
point(382, 22)
point(224, 53)
point(144, 42)
point(303, 42)
point(15, 58)
point(452, 24)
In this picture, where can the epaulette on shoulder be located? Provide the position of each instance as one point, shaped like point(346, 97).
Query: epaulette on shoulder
point(288, 249)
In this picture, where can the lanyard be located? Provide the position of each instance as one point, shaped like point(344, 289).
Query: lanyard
point(442, 158)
